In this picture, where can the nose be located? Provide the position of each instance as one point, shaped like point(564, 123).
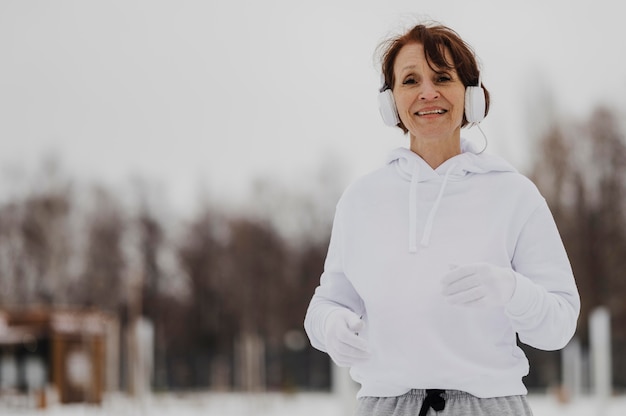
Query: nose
point(428, 91)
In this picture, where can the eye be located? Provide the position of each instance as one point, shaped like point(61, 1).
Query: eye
point(409, 81)
point(442, 78)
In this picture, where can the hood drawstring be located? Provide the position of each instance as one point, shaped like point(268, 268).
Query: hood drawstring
point(413, 210)
point(433, 400)
point(431, 215)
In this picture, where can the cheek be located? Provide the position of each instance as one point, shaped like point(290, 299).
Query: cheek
point(460, 104)
point(403, 103)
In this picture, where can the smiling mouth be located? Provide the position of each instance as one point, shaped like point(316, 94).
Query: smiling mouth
point(431, 112)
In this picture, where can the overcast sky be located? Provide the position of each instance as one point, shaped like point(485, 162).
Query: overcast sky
point(209, 95)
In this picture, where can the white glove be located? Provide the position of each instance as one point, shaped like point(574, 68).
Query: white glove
point(479, 285)
point(343, 343)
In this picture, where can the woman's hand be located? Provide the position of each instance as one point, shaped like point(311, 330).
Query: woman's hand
point(343, 343)
point(479, 285)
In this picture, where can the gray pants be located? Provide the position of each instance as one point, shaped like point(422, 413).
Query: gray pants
point(457, 403)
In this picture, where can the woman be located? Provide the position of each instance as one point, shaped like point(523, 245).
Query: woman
point(441, 257)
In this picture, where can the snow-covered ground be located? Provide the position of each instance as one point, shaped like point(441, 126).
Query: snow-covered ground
point(276, 404)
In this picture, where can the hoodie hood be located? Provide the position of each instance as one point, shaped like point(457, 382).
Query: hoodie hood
point(414, 169)
point(467, 163)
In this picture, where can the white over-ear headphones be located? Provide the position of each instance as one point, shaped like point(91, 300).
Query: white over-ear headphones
point(475, 105)
point(387, 106)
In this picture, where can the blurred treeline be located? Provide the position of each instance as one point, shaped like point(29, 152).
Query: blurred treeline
point(580, 167)
point(227, 289)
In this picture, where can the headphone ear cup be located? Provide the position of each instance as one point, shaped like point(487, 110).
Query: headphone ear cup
point(475, 105)
point(387, 108)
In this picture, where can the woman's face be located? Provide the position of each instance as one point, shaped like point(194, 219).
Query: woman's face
point(430, 103)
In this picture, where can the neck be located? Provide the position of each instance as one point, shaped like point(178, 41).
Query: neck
point(436, 151)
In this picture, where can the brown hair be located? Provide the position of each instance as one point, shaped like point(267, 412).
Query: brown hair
point(436, 39)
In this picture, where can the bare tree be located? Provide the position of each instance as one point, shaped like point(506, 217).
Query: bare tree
point(36, 246)
point(103, 279)
point(211, 325)
point(582, 172)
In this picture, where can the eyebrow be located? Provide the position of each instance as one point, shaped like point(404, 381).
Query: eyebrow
point(435, 70)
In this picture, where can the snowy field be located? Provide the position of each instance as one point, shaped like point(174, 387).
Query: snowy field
point(275, 404)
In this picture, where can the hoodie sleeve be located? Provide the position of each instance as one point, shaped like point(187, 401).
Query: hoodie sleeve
point(334, 291)
point(545, 306)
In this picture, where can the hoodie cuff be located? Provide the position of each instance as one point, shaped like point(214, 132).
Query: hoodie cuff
point(523, 297)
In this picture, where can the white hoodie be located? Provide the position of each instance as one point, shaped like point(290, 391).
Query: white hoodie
point(398, 230)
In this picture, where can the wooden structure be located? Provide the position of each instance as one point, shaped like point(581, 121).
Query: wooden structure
point(75, 347)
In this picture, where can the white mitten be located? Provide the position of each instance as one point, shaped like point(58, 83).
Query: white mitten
point(343, 343)
point(479, 285)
